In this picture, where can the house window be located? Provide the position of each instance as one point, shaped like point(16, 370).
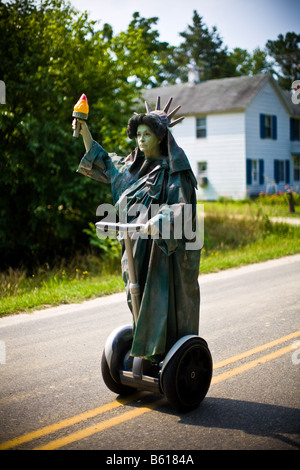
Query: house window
point(200, 127)
point(296, 167)
point(268, 126)
point(282, 171)
point(201, 168)
point(295, 129)
point(202, 173)
point(254, 171)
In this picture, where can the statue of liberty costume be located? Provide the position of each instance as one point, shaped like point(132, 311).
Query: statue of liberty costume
point(167, 267)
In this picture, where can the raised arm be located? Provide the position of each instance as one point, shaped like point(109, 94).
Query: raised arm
point(85, 132)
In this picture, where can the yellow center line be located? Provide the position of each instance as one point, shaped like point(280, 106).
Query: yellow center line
point(67, 422)
point(141, 410)
point(76, 436)
point(249, 365)
point(261, 348)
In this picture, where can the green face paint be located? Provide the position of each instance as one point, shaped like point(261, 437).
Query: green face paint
point(148, 143)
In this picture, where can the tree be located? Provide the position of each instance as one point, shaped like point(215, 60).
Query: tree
point(140, 54)
point(203, 49)
point(50, 54)
point(285, 51)
point(245, 63)
point(42, 53)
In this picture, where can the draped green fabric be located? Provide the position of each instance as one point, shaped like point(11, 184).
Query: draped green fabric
point(167, 271)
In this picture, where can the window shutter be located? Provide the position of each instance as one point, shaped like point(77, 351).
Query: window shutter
point(262, 126)
point(248, 171)
point(274, 127)
point(292, 129)
point(276, 171)
point(287, 172)
point(261, 171)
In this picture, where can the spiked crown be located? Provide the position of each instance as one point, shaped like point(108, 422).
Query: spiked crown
point(162, 114)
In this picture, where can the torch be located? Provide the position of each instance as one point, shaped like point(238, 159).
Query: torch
point(81, 111)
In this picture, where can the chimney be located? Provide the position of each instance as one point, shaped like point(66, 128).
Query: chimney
point(193, 75)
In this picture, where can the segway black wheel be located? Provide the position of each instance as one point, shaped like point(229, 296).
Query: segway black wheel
point(187, 376)
point(114, 386)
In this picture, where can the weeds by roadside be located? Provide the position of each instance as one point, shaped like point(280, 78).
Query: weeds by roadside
point(86, 276)
point(269, 205)
point(235, 234)
point(245, 235)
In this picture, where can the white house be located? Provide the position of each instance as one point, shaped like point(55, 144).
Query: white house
point(241, 134)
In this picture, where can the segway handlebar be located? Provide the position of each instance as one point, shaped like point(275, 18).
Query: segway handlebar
point(120, 227)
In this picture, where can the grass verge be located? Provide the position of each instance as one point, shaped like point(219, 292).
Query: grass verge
point(229, 242)
point(60, 291)
point(259, 251)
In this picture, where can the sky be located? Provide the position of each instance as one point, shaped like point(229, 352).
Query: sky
point(240, 23)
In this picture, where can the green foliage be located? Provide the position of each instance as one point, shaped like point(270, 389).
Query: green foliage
point(229, 242)
point(55, 289)
point(108, 248)
point(240, 232)
point(141, 56)
point(285, 51)
point(50, 54)
point(245, 63)
point(280, 199)
point(202, 48)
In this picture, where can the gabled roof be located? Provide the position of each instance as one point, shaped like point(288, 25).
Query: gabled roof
point(212, 96)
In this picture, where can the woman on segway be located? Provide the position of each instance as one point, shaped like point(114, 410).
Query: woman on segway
point(156, 176)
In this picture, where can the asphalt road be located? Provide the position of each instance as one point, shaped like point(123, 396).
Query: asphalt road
point(52, 395)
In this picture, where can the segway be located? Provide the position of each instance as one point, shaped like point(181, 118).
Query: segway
point(183, 376)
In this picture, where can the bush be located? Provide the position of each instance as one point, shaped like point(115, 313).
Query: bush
point(108, 249)
point(280, 198)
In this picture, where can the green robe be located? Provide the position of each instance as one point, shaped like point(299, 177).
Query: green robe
point(166, 270)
